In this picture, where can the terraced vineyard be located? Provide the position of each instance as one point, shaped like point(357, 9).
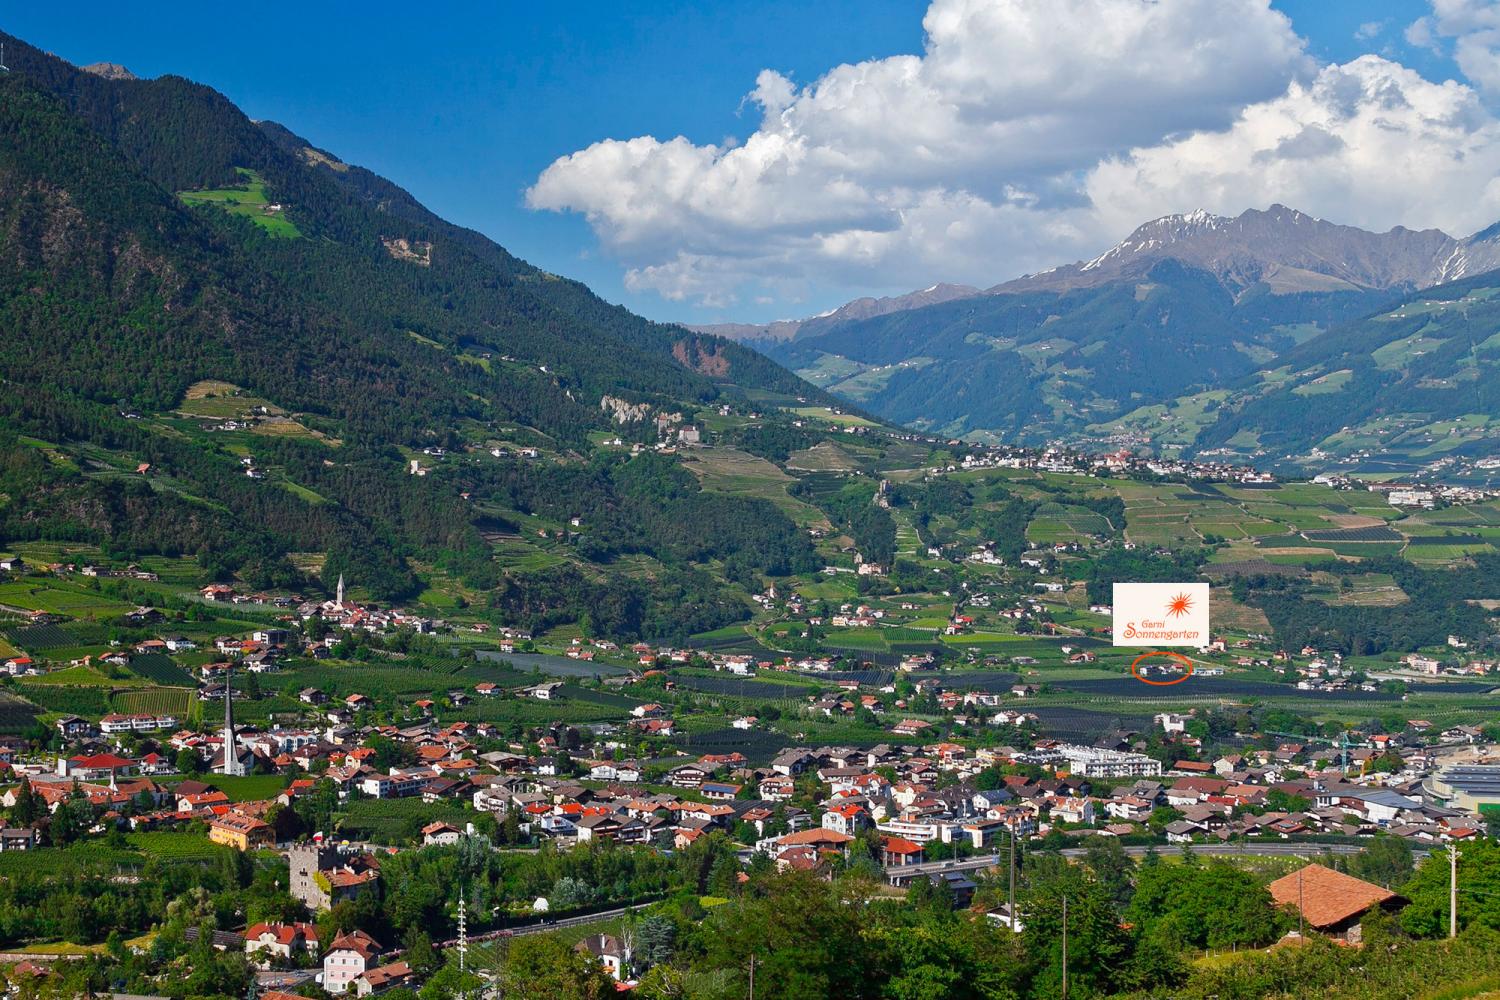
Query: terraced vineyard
point(156, 701)
point(1368, 534)
point(160, 669)
point(16, 716)
point(90, 702)
point(396, 821)
point(40, 637)
point(177, 847)
point(745, 687)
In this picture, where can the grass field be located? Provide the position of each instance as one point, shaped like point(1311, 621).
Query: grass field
point(248, 788)
point(73, 677)
point(826, 415)
point(249, 201)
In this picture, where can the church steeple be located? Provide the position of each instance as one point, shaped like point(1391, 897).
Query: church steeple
point(232, 764)
point(339, 599)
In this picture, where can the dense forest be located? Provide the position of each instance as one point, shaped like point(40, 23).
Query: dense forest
point(854, 512)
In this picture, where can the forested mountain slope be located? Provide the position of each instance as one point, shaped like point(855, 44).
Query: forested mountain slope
point(1031, 366)
point(1143, 343)
point(166, 262)
point(1410, 385)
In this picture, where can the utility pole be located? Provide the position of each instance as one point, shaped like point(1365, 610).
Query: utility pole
point(1065, 950)
point(752, 975)
point(1301, 920)
point(1453, 890)
point(1013, 924)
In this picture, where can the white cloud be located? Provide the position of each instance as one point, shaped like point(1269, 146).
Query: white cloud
point(1368, 143)
point(1030, 133)
point(951, 164)
point(1474, 27)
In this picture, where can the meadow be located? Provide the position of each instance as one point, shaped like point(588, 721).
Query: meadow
point(249, 201)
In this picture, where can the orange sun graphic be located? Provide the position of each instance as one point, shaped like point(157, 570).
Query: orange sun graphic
point(1179, 605)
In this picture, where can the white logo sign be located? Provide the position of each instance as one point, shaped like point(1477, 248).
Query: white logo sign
point(1161, 614)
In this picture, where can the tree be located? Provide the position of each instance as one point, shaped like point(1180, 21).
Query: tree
point(187, 761)
point(70, 820)
point(804, 933)
point(723, 878)
point(1097, 945)
point(655, 940)
point(448, 982)
point(420, 954)
point(1387, 861)
point(1111, 867)
point(1161, 816)
point(664, 982)
point(1281, 801)
point(28, 806)
point(1478, 897)
point(543, 967)
point(1212, 905)
point(569, 892)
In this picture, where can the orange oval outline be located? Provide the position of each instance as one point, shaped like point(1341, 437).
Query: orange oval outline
point(1161, 652)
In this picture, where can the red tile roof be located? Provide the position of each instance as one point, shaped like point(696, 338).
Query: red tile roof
point(1326, 897)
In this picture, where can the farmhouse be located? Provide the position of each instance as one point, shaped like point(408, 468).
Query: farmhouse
point(1331, 902)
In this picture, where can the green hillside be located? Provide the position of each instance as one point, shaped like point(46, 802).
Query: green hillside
point(1406, 387)
point(1037, 365)
point(186, 376)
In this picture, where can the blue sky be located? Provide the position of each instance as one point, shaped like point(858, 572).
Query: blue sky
point(468, 104)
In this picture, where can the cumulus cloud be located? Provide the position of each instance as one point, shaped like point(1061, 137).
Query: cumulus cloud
point(1027, 133)
point(888, 171)
point(1474, 28)
point(1368, 143)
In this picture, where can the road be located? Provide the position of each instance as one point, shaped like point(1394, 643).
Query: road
point(903, 873)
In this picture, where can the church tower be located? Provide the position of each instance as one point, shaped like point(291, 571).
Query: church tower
point(339, 599)
point(232, 765)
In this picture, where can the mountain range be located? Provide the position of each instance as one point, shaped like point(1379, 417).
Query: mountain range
point(1183, 313)
point(1282, 249)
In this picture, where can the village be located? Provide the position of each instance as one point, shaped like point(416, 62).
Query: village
point(922, 720)
point(947, 811)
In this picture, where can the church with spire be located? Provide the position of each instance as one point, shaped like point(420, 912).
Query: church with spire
point(232, 763)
